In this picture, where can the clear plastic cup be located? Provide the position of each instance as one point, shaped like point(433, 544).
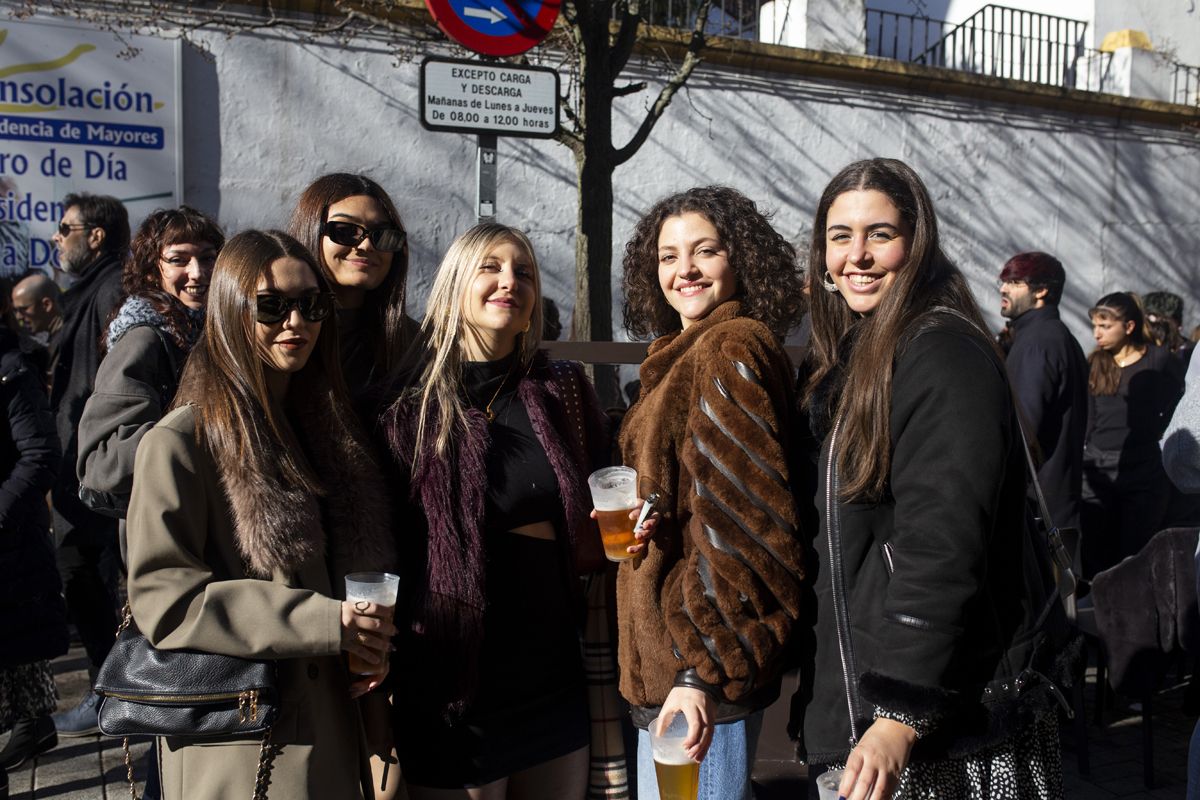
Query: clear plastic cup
point(614, 494)
point(827, 784)
point(374, 587)
point(678, 776)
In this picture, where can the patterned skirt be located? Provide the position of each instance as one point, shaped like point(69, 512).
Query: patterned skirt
point(1026, 766)
point(26, 691)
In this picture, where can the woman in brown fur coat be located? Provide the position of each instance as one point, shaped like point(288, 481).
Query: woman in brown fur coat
point(251, 500)
point(704, 618)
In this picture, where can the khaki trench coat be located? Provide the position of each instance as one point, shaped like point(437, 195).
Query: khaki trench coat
point(188, 589)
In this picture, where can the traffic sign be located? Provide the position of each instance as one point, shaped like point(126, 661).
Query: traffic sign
point(486, 97)
point(495, 27)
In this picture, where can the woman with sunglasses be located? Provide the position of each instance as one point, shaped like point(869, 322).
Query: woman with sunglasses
point(495, 443)
point(252, 499)
point(349, 223)
point(165, 279)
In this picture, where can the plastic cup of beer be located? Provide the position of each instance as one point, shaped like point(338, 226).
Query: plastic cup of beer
point(827, 784)
point(614, 494)
point(678, 776)
point(374, 587)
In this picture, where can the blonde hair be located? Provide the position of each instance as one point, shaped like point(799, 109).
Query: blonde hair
point(443, 329)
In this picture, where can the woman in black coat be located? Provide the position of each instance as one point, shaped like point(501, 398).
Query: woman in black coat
point(924, 681)
point(33, 626)
point(1133, 386)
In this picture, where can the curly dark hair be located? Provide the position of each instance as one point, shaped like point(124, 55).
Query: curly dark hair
point(142, 275)
point(770, 280)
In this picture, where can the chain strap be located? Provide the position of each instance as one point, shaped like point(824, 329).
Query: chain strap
point(129, 762)
point(266, 756)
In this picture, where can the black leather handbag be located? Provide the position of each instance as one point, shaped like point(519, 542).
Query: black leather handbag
point(185, 693)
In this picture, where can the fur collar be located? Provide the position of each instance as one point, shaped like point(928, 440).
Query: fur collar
point(137, 311)
point(280, 527)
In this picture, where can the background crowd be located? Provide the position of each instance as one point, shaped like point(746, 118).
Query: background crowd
point(226, 428)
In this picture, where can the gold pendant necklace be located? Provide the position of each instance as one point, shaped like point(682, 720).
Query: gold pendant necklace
point(487, 410)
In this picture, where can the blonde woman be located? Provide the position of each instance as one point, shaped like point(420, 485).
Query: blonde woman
point(251, 500)
point(496, 443)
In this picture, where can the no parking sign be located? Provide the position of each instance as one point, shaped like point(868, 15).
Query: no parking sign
point(495, 27)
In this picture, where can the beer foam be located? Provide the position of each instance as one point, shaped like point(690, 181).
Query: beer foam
point(675, 758)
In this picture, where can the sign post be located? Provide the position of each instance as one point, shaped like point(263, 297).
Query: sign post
point(485, 174)
point(488, 99)
point(485, 97)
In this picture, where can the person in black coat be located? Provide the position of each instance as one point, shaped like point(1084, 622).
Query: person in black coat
point(33, 625)
point(924, 682)
point(1133, 386)
point(1049, 376)
point(92, 240)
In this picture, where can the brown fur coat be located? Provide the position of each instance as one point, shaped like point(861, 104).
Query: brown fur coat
point(719, 588)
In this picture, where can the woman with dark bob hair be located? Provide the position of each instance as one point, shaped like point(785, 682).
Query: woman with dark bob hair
point(928, 678)
point(705, 617)
point(252, 499)
point(1133, 386)
point(351, 226)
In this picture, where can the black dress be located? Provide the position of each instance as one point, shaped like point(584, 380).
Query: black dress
point(530, 706)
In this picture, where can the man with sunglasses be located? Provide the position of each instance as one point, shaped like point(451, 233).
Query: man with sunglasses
point(92, 240)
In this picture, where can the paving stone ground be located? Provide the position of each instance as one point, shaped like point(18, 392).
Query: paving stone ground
point(92, 768)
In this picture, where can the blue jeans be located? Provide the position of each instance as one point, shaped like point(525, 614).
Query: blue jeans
point(724, 772)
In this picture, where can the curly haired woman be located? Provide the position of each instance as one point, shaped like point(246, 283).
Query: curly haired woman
point(704, 618)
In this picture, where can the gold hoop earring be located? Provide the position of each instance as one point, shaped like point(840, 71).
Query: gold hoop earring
point(526, 330)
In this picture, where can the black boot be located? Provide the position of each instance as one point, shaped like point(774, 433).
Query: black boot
point(30, 737)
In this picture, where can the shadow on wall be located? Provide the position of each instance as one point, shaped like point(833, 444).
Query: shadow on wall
point(201, 133)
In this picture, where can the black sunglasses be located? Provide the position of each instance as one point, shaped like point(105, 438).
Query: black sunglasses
point(385, 239)
point(64, 230)
point(273, 308)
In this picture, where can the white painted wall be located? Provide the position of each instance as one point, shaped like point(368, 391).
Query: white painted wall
point(1115, 201)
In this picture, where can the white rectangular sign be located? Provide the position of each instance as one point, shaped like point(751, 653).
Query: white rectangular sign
point(488, 97)
point(77, 114)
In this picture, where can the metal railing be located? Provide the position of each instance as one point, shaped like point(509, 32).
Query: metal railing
point(996, 40)
point(736, 18)
point(1185, 85)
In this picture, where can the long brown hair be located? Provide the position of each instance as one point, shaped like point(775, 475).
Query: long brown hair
point(142, 273)
point(225, 376)
point(926, 281)
point(384, 305)
point(1104, 374)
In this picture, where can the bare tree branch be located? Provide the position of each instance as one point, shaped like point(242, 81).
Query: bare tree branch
point(629, 88)
point(691, 60)
point(626, 38)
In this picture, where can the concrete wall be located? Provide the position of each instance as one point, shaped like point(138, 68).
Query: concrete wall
point(1115, 201)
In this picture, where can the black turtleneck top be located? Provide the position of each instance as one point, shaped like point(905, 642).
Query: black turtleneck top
point(522, 487)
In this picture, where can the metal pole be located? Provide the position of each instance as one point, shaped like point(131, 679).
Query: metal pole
point(485, 172)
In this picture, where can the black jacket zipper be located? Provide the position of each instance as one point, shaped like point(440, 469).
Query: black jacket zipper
point(837, 581)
